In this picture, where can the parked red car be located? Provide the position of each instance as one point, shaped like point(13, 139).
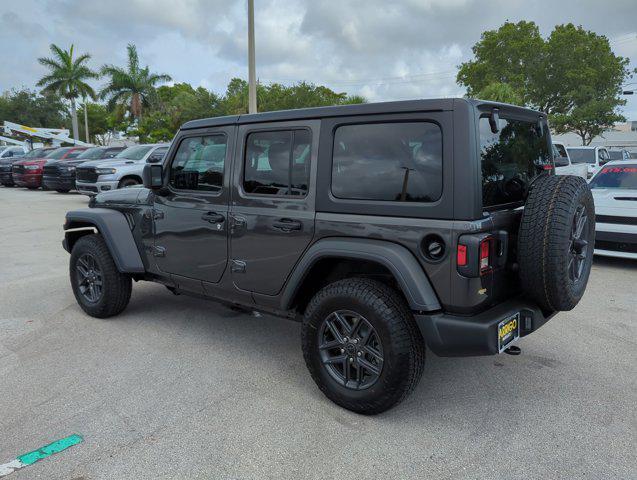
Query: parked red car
point(28, 173)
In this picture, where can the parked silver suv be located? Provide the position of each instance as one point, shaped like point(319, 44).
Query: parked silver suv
point(123, 170)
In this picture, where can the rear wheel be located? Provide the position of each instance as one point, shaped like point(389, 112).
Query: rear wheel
point(99, 288)
point(362, 346)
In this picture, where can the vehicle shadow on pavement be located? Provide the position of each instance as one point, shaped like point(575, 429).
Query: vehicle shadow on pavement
point(622, 263)
point(467, 386)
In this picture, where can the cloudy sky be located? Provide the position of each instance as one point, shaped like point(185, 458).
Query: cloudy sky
point(383, 50)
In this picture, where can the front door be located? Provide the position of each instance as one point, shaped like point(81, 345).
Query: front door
point(272, 212)
point(191, 217)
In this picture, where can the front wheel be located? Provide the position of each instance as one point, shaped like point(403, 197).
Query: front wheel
point(99, 288)
point(362, 346)
point(128, 182)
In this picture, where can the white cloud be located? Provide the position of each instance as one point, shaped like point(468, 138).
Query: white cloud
point(382, 50)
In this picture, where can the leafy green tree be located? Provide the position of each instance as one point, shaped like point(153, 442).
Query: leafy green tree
point(133, 85)
point(511, 55)
point(275, 96)
point(29, 108)
point(573, 75)
point(67, 77)
point(501, 92)
point(97, 115)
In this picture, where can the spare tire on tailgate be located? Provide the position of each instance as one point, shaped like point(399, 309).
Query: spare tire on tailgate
point(556, 241)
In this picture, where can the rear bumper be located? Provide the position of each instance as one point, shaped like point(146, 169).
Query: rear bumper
point(28, 180)
point(58, 182)
point(463, 336)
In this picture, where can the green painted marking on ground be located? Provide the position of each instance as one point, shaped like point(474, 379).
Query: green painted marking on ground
point(50, 449)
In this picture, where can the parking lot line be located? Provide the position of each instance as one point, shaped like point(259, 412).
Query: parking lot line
point(41, 453)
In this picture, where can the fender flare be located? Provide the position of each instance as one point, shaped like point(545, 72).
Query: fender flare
point(409, 274)
point(114, 228)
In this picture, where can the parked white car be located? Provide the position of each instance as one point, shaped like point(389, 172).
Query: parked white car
point(123, 170)
point(614, 190)
point(563, 164)
point(593, 157)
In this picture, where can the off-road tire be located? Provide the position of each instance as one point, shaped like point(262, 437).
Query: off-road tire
point(128, 182)
point(116, 286)
point(402, 343)
point(545, 242)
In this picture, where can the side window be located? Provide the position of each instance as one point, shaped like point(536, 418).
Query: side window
point(396, 162)
point(199, 163)
point(277, 163)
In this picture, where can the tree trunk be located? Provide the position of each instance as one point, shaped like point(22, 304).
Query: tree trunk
point(86, 121)
point(76, 133)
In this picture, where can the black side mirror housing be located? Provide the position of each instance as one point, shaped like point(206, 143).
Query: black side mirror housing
point(153, 176)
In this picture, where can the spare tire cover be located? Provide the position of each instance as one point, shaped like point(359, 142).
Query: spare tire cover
point(556, 241)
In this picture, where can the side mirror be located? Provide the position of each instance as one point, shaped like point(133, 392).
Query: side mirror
point(494, 120)
point(561, 162)
point(153, 176)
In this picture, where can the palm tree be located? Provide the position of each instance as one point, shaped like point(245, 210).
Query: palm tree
point(67, 78)
point(133, 86)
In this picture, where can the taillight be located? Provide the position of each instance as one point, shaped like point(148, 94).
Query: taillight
point(485, 255)
point(461, 255)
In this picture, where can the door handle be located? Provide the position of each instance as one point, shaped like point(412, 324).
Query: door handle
point(287, 225)
point(213, 217)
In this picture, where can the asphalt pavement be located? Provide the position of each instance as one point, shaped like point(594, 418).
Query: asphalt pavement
point(181, 388)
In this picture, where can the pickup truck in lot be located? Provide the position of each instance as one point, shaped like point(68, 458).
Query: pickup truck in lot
point(6, 164)
point(123, 170)
point(563, 164)
point(60, 175)
point(384, 228)
point(593, 157)
point(28, 171)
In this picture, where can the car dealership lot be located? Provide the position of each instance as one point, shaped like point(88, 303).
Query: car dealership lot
point(177, 387)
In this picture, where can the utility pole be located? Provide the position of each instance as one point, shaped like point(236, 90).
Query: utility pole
point(86, 120)
point(252, 76)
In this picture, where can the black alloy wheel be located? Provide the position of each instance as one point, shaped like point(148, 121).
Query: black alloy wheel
point(350, 349)
point(89, 277)
point(579, 245)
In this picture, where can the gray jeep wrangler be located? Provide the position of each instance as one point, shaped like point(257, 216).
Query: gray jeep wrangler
point(387, 228)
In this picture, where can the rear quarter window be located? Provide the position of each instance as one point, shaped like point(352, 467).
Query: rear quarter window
point(393, 162)
point(510, 159)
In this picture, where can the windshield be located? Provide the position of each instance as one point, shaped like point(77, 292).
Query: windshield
point(511, 159)
point(134, 153)
point(58, 153)
point(37, 153)
point(91, 154)
point(616, 177)
point(616, 155)
point(582, 155)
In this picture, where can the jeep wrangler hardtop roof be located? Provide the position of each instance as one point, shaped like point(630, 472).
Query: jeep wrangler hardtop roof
point(404, 106)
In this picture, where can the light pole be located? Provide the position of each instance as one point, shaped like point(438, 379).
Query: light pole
point(252, 76)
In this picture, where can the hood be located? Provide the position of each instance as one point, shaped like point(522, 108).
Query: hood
point(615, 201)
point(31, 161)
point(131, 195)
point(111, 162)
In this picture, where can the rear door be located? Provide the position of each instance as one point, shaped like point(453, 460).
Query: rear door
point(272, 211)
point(190, 219)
